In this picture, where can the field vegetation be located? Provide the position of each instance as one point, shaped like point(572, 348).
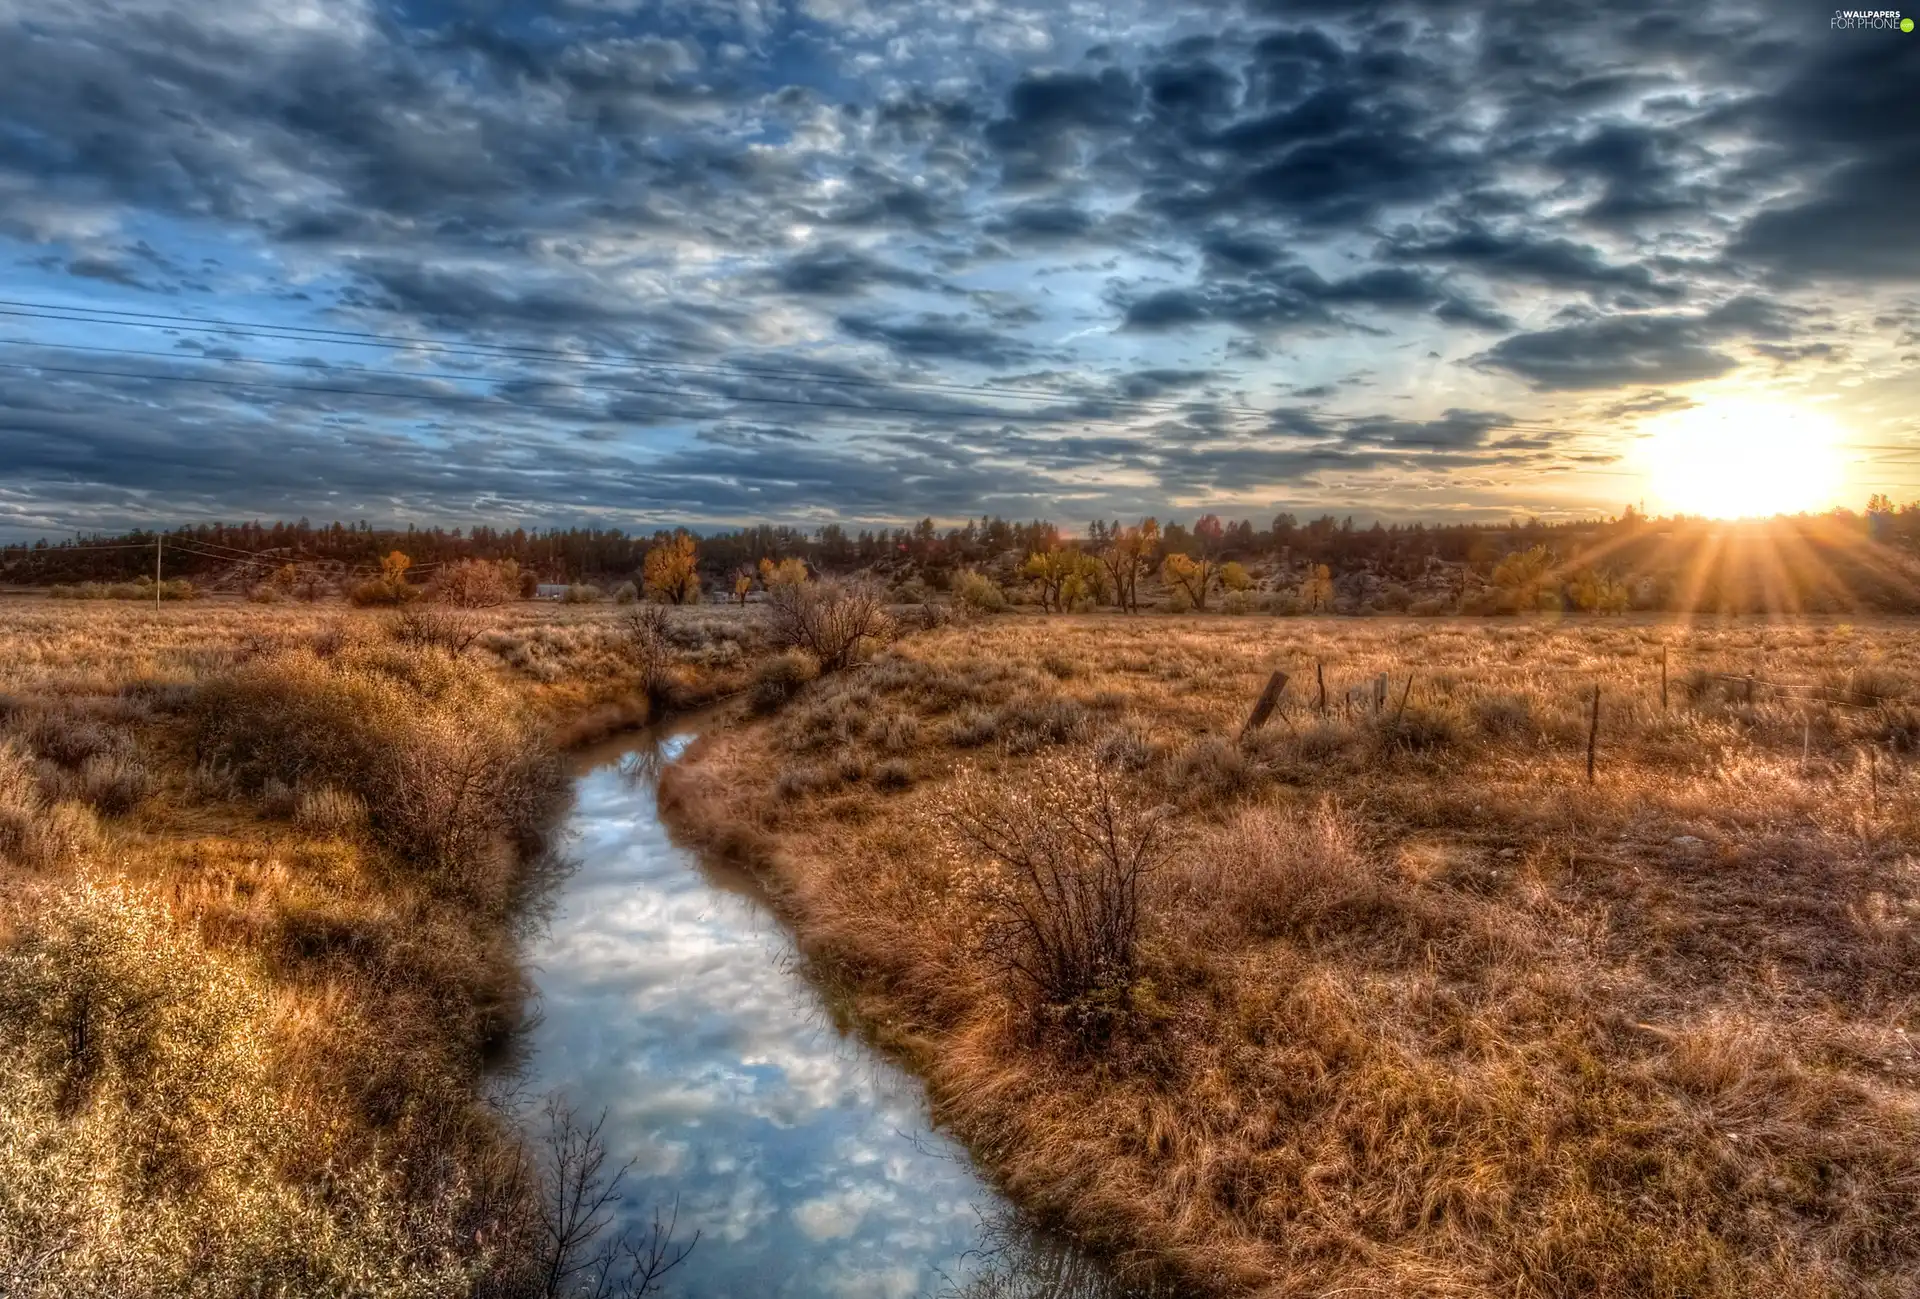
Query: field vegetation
point(1383, 996)
point(262, 867)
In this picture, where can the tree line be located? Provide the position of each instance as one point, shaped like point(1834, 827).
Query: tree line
point(1838, 560)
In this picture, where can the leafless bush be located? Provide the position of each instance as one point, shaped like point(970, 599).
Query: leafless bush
point(1062, 860)
point(452, 629)
point(646, 641)
point(582, 1252)
point(837, 622)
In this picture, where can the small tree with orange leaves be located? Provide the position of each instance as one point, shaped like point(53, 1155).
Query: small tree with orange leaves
point(671, 570)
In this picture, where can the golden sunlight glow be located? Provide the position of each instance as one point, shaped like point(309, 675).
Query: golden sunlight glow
point(1730, 460)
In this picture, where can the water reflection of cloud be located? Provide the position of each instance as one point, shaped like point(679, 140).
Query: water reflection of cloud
point(807, 1163)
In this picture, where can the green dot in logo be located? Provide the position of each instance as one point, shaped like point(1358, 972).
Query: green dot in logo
point(1906, 24)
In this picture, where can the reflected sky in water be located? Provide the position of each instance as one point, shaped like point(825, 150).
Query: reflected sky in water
point(669, 997)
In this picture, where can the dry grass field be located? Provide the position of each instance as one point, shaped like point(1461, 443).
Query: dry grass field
point(1385, 999)
point(261, 869)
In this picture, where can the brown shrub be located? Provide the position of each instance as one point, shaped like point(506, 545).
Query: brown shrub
point(442, 758)
point(838, 623)
point(475, 584)
point(450, 629)
point(1061, 864)
point(1276, 874)
point(972, 728)
point(646, 643)
point(780, 677)
point(377, 591)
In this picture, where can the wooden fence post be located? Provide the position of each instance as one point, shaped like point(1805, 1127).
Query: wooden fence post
point(1401, 710)
point(1320, 675)
point(1593, 731)
point(1663, 678)
point(1380, 693)
point(1263, 709)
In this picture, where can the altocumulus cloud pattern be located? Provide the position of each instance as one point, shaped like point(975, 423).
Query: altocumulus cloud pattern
point(1067, 259)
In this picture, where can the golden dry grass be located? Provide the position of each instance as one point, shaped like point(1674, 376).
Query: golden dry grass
point(1417, 1011)
point(258, 891)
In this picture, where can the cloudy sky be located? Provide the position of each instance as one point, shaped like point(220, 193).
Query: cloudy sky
point(686, 260)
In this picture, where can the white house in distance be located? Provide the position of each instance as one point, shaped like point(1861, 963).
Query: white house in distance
point(550, 591)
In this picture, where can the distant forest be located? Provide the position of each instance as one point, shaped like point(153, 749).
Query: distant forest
point(1835, 562)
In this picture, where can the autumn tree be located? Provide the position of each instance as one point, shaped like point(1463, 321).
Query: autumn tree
point(670, 571)
point(1060, 575)
point(1522, 574)
point(788, 572)
point(1126, 554)
point(476, 584)
point(1316, 592)
point(742, 584)
point(1594, 592)
point(1195, 576)
point(391, 587)
point(1234, 577)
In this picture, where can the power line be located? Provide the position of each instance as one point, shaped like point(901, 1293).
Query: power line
point(860, 407)
point(28, 550)
point(358, 338)
point(510, 351)
point(572, 411)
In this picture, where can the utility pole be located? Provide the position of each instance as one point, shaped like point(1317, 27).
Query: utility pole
point(156, 570)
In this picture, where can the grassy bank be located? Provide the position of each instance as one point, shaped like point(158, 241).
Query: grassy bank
point(1383, 997)
point(261, 870)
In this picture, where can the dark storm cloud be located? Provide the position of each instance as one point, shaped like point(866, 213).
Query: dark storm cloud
point(101, 268)
point(877, 194)
point(836, 271)
point(1559, 262)
point(1157, 382)
point(1613, 352)
point(1845, 117)
point(937, 337)
point(1296, 297)
point(1635, 169)
point(1043, 223)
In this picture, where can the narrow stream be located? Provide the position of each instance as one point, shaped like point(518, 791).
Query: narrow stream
point(671, 998)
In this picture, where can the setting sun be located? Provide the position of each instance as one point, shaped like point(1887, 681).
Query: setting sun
point(1743, 459)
